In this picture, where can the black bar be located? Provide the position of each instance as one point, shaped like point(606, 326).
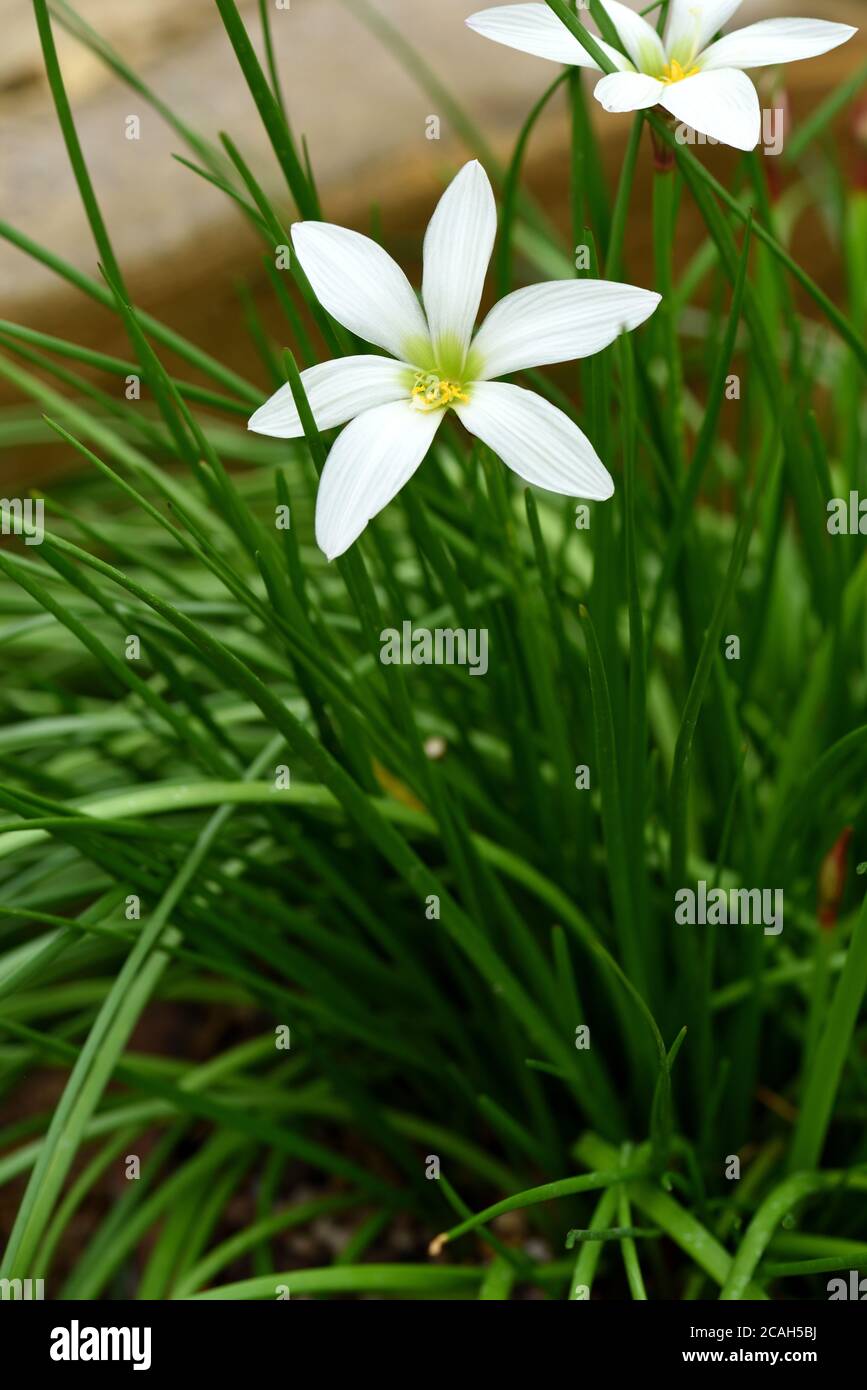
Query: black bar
point(429, 1340)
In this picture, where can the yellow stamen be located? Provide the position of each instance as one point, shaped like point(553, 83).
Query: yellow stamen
point(673, 72)
point(432, 393)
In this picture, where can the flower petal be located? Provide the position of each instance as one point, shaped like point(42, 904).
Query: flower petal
point(639, 38)
point(723, 104)
point(557, 322)
point(628, 91)
point(775, 41)
point(457, 251)
point(691, 25)
point(536, 440)
point(360, 285)
point(336, 392)
point(370, 462)
point(536, 29)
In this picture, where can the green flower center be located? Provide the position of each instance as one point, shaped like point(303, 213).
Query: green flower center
point(433, 392)
point(442, 372)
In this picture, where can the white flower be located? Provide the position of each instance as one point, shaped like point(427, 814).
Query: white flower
point(396, 406)
point(705, 87)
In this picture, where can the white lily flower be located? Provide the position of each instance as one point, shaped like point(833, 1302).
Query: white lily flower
point(397, 404)
point(699, 82)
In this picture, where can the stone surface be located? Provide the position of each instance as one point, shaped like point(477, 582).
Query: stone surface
point(181, 243)
point(364, 118)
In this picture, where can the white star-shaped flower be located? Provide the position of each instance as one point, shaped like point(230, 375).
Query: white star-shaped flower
point(396, 404)
point(701, 83)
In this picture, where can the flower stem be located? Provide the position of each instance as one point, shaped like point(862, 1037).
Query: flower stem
point(665, 202)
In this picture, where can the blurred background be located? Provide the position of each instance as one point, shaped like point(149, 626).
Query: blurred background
point(365, 119)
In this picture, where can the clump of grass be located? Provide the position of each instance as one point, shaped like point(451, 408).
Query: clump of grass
point(457, 986)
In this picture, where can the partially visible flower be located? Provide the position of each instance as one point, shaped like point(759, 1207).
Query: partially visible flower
point(397, 406)
point(699, 82)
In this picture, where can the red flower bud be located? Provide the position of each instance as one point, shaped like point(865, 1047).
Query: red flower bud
point(859, 134)
point(832, 880)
